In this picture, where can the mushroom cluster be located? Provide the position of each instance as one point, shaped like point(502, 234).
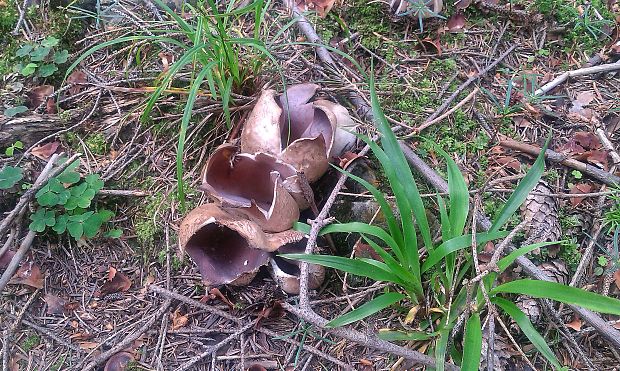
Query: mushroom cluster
point(258, 192)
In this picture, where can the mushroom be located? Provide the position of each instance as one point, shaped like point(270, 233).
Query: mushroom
point(227, 247)
point(258, 185)
point(286, 272)
point(294, 129)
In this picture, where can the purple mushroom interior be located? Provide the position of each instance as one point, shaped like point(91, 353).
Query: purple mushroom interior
point(306, 121)
point(244, 181)
point(290, 266)
point(222, 255)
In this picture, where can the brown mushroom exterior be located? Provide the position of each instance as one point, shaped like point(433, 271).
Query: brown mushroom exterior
point(305, 132)
point(286, 272)
point(344, 127)
point(255, 184)
point(225, 246)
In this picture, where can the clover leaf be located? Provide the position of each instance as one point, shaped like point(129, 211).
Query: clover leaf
point(24, 50)
point(61, 224)
point(94, 181)
point(69, 176)
point(53, 193)
point(28, 69)
point(92, 224)
point(61, 56)
point(75, 224)
point(50, 41)
point(114, 233)
point(9, 176)
point(41, 219)
point(47, 70)
point(39, 53)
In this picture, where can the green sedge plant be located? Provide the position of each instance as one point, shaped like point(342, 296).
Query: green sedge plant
point(428, 280)
point(209, 51)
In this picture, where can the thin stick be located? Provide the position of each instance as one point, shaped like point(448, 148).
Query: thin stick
point(122, 193)
point(553, 156)
point(367, 340)
point(451, 111)
point(16, 260)
point(173, 295)
point(576, 73)
point(214, 348)
point(468, 82)
point(133, 336)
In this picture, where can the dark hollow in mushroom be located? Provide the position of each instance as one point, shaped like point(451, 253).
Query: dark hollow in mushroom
point(222, 254)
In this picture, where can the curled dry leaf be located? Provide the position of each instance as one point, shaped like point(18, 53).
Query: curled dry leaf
point(45, 151)
point(257, 185)
point(321, 6)
point(39, 95)
point(579, 189)
point(77, 78)
point(28, 274)
point(575, 324)
point(456, 23)
point(117, 282)
point(226, 247)
point(178, 319)
point(119, 361)
point(296, 130)
point(286, 272)
point(215, 293)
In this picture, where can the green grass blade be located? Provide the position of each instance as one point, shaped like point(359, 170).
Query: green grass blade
point(523, 189)
point(187, 115)
point(375, 305)
point(446, 227)
point(456, 244)
point(392, 264)
point(441, 347)
point(472, 344)
point(358, 227)
point(391, 335)
point(353, 266)
point(562, 293)
point(186, 27)
point(505, 262)
point(459, 195)
point(385, 207)
point(526, 326)
point(396, 156)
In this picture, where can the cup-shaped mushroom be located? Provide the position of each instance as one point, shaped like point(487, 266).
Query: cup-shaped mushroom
point(287, 272)
point(255, 184)
point(345, 128)
point(226, 247)
point(306, 129)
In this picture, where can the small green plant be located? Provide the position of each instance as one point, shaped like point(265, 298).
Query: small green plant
point(210, 51)
point(30, 343)
point(421, 9)
point(41, 58)
point(435, 280)
point(9, 151)
point(15, 110)
point(66, 205)
point(9, 176)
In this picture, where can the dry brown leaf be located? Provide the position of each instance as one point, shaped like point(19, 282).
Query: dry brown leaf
point(456, 23)
point(584, 98)
point(579, 189)
point(364, 250)
point(55, 304)
point(6, 258)
point(178, 320)
point(431, 46)
point(322, 7)
point(45, 151)
point(215, 293)
point(117, 282)
point(166, 60)
point(76, 78)
point(88, 345)
point(38, 95)
point(28, 274)
point(575, 324)
point(617, 278)
point(462, 4)
point(80, 336)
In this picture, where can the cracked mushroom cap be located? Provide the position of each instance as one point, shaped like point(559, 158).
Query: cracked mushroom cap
point(286, 272)
point(225, 246)
point(257, 184)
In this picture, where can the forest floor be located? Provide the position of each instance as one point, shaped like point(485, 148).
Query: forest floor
point(124, 290)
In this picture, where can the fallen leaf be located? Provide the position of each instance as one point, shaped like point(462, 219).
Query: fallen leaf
point(364, 250)
point(76, 79)
point(55, 304)
point(45, 151)
point(117, 282)
point(579, 189)
point(81, 336)
point(166, 60)
point(584, 98)
point(411, 315)
point(617, 278)
point(216, 293)
point(321, 6)
point(88, 345)
point(178, 320)
point(28, 274)
point(39, 95)
point(6, 258)
point(119, 361)
point(575, 324)
point(431, 46)
point(456, 23)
